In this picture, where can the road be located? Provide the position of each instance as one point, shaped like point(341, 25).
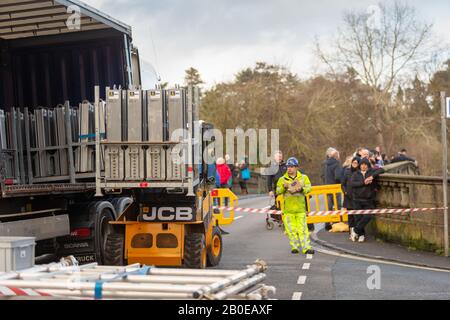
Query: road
point(326, 275)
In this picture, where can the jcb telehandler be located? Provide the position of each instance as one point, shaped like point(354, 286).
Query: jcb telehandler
point(171, 220)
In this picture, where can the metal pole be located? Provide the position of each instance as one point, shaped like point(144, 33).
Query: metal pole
point(28, 146)
point(98, 189)
point(69, 141)
point(259, 267)
point(190, 163)
point(14, 123)
point(445, 170)
point(107, 286)
point(241, 286)
point(84, 276)
point(72, 294)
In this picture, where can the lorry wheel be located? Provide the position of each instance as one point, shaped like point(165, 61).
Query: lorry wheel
point(114, 250)
point(216, 249)
point(104, 213)
point(195, 251)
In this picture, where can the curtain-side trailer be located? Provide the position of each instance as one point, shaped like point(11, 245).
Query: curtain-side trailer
point(52, 55)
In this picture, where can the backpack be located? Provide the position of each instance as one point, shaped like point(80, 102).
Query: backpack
point(245, 174)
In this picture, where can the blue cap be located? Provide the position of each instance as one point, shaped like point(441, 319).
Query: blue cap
point(292, 162)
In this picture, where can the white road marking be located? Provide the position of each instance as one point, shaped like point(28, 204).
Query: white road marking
point(301, 280)
point(342, 255)
point(297, 296)
point(309, 256)
point(238, 217)
point(306, 266)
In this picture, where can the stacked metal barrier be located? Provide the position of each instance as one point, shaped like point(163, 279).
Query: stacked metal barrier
point(49, 144)
point(136, 117)
point(156, 155)
point(36, 146)
point(177, 118)
point(144, 131)
point(6, 169)
point(12, 146)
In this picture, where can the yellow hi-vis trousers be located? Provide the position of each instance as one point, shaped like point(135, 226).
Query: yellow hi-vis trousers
point(297, 230)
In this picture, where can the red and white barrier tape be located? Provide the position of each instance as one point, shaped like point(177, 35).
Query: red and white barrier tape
point(13, 291)
point(334, 213)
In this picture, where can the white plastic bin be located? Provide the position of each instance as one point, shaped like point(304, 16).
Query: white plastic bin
point(16, 253)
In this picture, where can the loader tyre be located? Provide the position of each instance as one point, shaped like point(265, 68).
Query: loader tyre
point(195, 251)
point(216, 249)
point(114, 250)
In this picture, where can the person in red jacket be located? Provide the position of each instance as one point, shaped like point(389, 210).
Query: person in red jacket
point(223, 174)
point(223, 177)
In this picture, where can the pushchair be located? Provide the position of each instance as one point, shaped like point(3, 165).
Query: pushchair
point(272, 218)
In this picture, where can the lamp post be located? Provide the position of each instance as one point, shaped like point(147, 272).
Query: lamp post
point(445, 115)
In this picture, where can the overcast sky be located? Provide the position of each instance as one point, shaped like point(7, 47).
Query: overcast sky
point(220, 37)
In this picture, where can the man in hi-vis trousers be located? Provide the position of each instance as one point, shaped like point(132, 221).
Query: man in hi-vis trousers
point(294, 186)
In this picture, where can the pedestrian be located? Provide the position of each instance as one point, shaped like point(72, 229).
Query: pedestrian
point(374, 162)
point(364, 153)
point(357, 153)
point(348, 162)
point(244, 176)
point(347, 189)
point(403, 156)
point(229, 162)
point(223, 177)
point(346, 165)
point(223, 174)
point(294, 186)
point(385, 158)
point(323, 166)
point(277, 170)
point(211, 166)
point(379, 157)
point(363, 192)
point(333, 168)
point(333, 175)
point(231, 166)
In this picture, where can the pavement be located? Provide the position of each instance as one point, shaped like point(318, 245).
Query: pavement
point(376, 249)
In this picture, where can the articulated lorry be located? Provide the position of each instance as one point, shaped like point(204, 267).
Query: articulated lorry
point(90, 163)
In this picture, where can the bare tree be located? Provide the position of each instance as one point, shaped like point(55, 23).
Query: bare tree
point(382, 47)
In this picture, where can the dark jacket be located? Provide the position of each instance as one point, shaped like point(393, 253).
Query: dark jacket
point(333, 171)
point(347, 188)
point(402, 158)
point(323, 170)
point(359, 190)
point(273, 179)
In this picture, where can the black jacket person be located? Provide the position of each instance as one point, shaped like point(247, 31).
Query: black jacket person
point(363, 187)
point(280, 170)
point(347, 188)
